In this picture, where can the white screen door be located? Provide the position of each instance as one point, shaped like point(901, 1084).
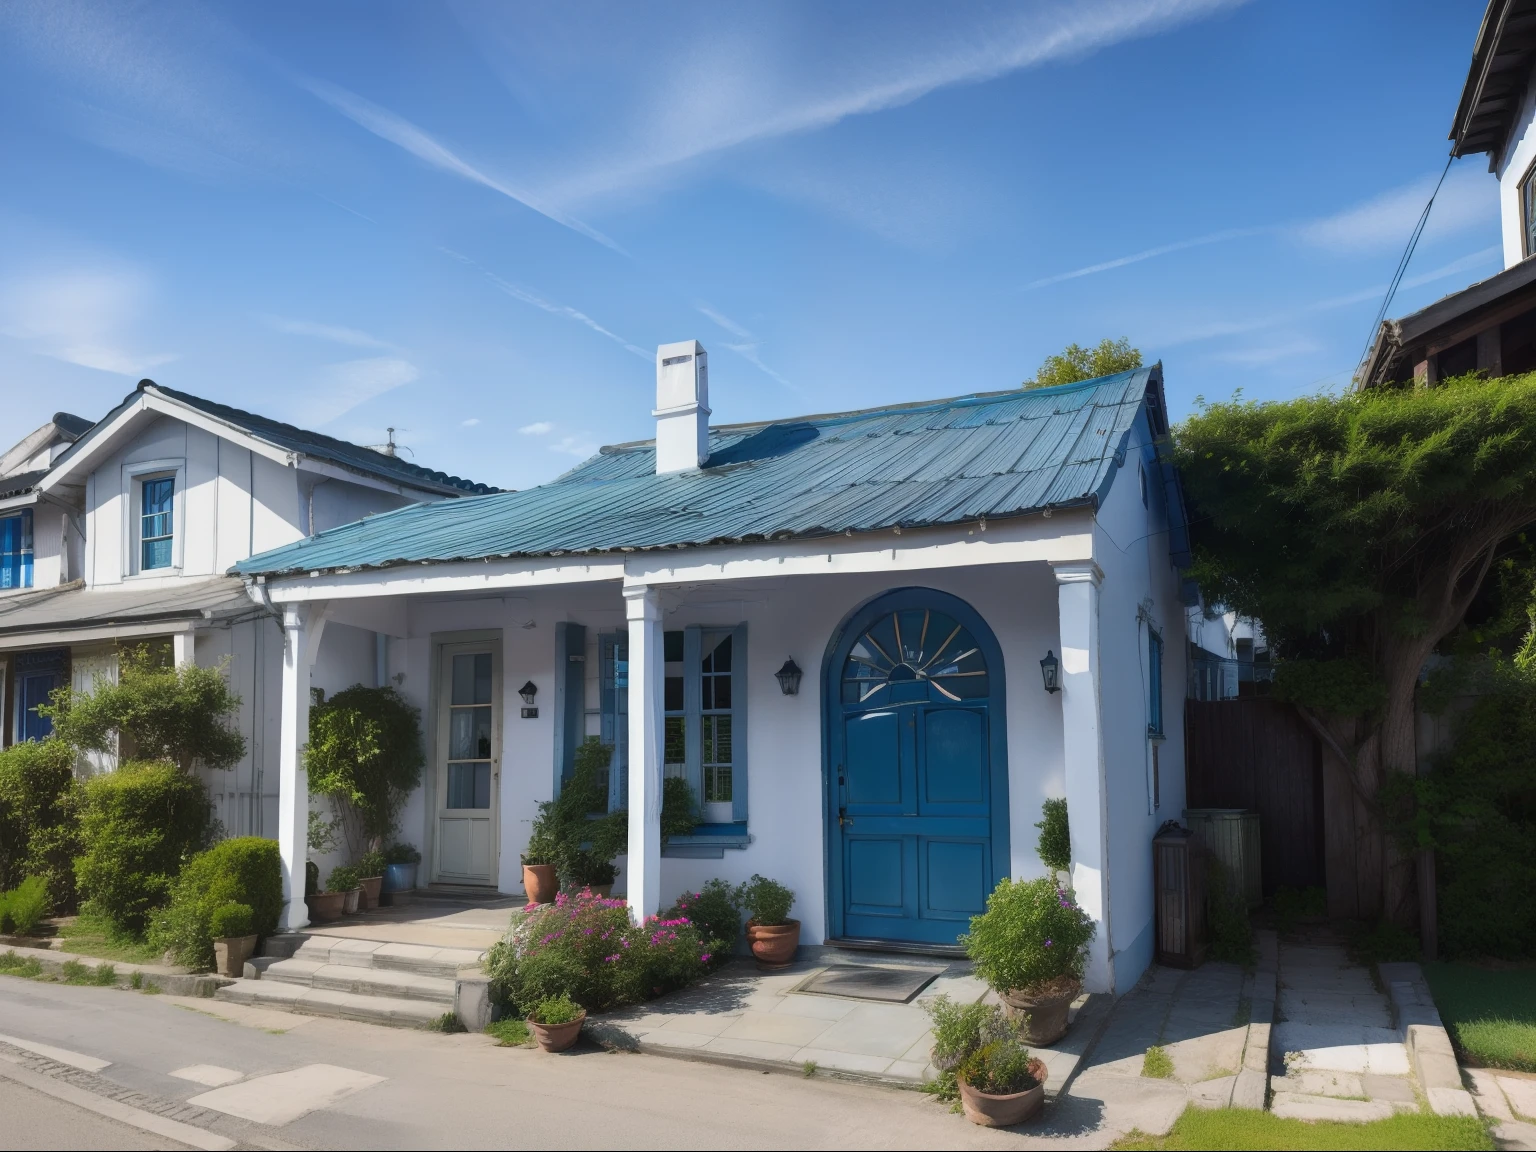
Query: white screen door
point(468, 762)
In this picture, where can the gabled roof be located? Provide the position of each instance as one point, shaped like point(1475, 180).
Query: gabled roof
point(1496, 80)
point(282, 440)
point(988, 455)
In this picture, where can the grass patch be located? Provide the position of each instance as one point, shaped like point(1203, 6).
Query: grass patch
point(1157, 1065)
point(1242, 1128)
point(26, 967)
point(447, 1022)
point(91, 935)
point(509, 1033)
point(1489, 1012)
point(74, 972)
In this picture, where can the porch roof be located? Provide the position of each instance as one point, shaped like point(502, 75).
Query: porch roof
point(912, 465)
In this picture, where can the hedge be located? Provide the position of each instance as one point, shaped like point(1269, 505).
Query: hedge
point(246, 871)
point(39, 819)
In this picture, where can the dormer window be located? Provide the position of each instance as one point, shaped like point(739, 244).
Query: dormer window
point(156, 522)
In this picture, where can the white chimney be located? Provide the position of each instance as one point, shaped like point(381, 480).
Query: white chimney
point(682, 406)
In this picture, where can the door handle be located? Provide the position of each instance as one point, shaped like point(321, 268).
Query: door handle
point(843, 817)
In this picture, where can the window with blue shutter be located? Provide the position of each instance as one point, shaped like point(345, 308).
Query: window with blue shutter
point(156, 523)
point(16, 550)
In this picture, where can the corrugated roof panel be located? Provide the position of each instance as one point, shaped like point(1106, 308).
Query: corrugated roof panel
point(991, 455)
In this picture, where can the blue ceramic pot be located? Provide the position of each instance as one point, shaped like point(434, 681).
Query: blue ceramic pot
point(399, 877)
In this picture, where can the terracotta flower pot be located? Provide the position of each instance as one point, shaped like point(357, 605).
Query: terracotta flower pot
point(557, 1037)
point(541, 882)
point(354, 897)
point(605, 891)
point(370, 887)
point(1042, 1009)
point(774, 944)
point(231, 952)
point(1004, 1111)
point(325, 905)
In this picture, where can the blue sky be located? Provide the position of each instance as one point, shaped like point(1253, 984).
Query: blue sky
point(475, 222)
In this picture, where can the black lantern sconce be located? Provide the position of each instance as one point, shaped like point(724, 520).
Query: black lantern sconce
point(528, 691)
point(1050, 671)
point(789, 678)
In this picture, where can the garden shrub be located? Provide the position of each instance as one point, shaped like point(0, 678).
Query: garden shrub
point(247, 871)
point(138, 826)
point(584, 946)
point(39, 818)
point(555, 1011)
point(716, 912)
point(230, 920)
point(1032, 935)
point(1055, 844)
point(767, 902)
point(958, 1031)
point(998, 1068)
point(22, 909)
point(343, 878)
point(365, 753)
point(371, 864)
point(402, 854)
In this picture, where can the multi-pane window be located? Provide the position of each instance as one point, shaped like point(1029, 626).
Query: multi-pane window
point(715, 723)
point(1154, 683)
point(675, 703)
point(16, 550)
point(1528, 212)
point(469, 732)
point(613, 688)
point(156, 522)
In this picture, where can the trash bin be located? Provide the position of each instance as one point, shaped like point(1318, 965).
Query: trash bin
point(1232, 836)
point(1178, 875)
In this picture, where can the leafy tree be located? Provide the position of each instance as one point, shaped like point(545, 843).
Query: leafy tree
point(1358, 529)
point(365, 754)
point(1075, 363)
point(166, 712)
point(40, 818)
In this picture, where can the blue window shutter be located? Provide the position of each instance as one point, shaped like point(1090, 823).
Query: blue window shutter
point(693, 647)
point(570, 696)
point(613, 679)
point(740, 690)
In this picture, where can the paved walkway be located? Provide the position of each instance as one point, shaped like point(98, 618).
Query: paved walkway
point(436, 922)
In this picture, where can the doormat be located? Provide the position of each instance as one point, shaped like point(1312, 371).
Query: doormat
point(865, 982)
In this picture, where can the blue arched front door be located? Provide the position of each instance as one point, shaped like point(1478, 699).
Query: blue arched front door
point(916, 769)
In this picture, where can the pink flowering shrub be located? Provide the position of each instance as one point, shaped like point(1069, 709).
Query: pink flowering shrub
point(584, 946)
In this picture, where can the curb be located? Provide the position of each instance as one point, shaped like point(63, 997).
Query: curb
point(181, 983)
point(1251, 1088)
point(1429, 1045)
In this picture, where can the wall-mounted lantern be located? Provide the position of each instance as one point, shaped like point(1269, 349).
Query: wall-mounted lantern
point(1050, 671)
point(789, 678)
point(528, 691)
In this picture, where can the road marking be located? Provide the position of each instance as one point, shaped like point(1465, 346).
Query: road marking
point(144, 1121)
point(208, 1075)
point(285, 1096)
point(62, 1055)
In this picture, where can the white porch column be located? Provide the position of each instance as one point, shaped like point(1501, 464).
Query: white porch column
point(293, 781)
point(1078, 604)
point(181, 648)
point(642, 607)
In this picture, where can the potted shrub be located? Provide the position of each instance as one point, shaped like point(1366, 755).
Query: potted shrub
point(370, 878)
point(330, 904)
point(556, 1022)
point(771, 933)
point(541, 879)
point(232, 927)
point(400, 862)
point(1031, 945)
point(344, 879)
point(590, 871)
point(1001, 1084)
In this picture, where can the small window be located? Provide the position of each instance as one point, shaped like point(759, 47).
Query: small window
point(1528, 212)
point(1154, 683)
point(156, 522)
point(16, 550)
point(715, 683)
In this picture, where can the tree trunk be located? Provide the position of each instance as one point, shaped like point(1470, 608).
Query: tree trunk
point(1399, 756)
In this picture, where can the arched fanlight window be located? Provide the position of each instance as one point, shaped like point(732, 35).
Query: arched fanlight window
point(913, 655)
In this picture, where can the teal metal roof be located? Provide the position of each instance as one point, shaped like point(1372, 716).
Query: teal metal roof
point(987, 455)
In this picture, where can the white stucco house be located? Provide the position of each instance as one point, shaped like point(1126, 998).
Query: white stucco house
point(122, 531)
point(917, 563)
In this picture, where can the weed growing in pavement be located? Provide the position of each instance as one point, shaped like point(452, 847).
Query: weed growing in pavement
point(1157, 1065)
point(448, 1022)
point(509, 1033)
point(809, 1068)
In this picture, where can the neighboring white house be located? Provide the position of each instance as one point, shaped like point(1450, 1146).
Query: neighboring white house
point(923, 567)
point(123, 531)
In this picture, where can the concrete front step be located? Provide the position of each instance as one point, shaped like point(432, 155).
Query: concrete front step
point(419, 959)
point(390, 1010)
point(362, 981)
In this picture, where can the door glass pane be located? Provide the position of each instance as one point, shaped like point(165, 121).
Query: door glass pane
point(717, 759)
point(472, 678)
point(469, 786)
point(469, 733)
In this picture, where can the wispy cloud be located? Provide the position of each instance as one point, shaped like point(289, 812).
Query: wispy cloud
point(84, 317)
point(549, 306)
point(1467, 199)
point(401, 132)
point(537, 428)
point(1264, 355)
point(581, 445)
point(334, 333)
point(1148, 254)
point(347, 385)
point(745, 345)
point(470, 423)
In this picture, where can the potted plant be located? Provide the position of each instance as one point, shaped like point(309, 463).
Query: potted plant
point(344, 879)
point(331, 904)
point(1001, 1084)
point(231, 925)
point(400, 861)
point(541, 879)
point(1031, 945)
point(771, 933)
point(556, 1022)
point(370, 871)
point(588, 870)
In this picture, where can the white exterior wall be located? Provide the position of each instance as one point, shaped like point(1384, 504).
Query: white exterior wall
point(1519, 155)
point(1140, 584)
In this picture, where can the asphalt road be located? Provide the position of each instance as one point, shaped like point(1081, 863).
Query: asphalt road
point(318, 1083)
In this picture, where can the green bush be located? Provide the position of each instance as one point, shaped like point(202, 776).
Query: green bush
point(716, 912)
point(247, 871)
point(138, 827)
point(767, 902)
point(1031, 934)
point(559, 1009)
point(23, 908)
point(230, 920)
point(371, 864)
point(365, 753)
point(343, 878)
point(402, 854)
point(40, 818)
point(1055, 844)
point(999, 1068)
point(958, 1031)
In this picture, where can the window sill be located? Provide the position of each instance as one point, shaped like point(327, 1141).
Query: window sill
point(708, 842)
